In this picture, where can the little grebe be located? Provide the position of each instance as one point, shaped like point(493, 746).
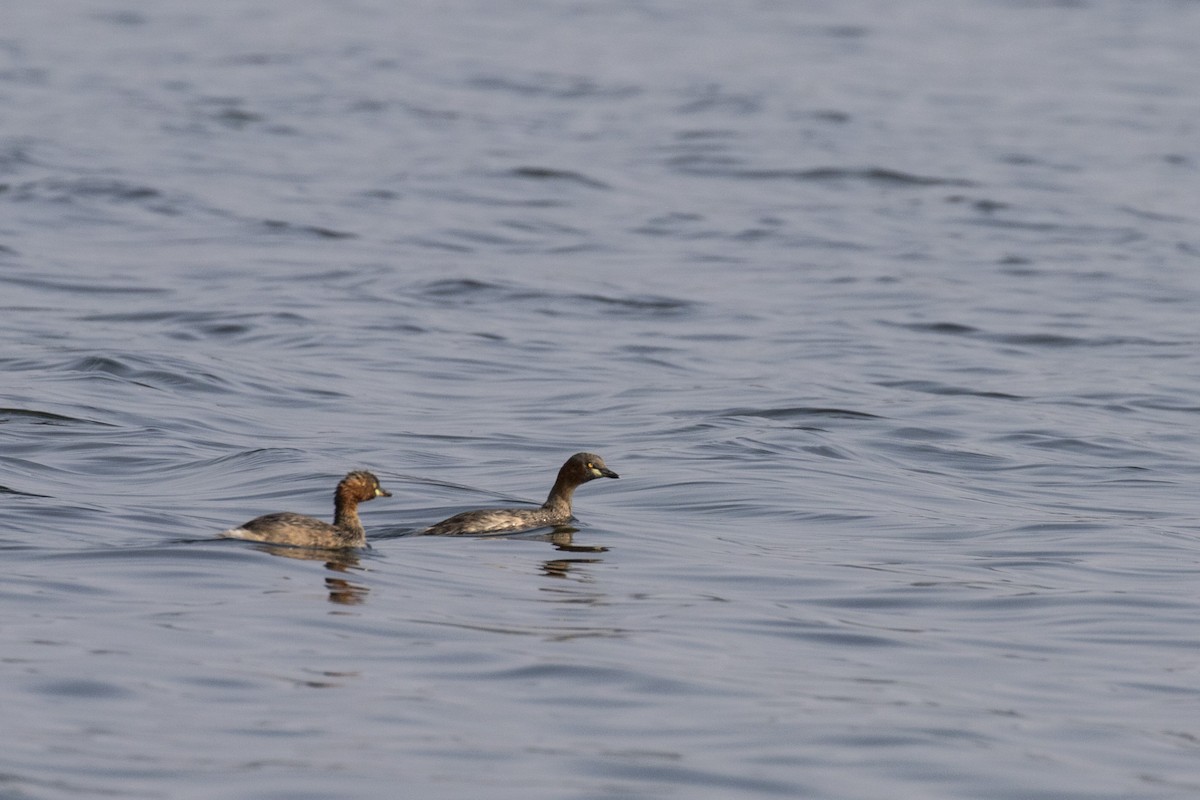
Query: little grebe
point(580, 468)
point(302, 531)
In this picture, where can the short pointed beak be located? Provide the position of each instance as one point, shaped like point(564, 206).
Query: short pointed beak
point(381, 492)
point(607, 473)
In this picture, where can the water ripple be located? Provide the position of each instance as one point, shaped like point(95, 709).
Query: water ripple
point(473, 292)
point(714, 167)
point(563, 175)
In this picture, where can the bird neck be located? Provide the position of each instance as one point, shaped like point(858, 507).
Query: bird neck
point(345, 514)
point(560, 496)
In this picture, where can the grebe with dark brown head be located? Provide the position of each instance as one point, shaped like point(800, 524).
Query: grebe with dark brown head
point(303, 531)
point(579, 469)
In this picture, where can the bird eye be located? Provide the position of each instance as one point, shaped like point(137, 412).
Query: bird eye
point(590, 465)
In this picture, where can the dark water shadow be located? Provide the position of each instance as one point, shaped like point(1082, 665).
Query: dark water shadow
point(562, 567)
point(563, 539)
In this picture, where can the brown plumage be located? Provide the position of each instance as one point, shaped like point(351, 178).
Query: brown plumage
point(579, 469)
point(298, 529)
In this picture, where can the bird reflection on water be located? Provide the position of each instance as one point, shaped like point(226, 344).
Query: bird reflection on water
point(341, 591)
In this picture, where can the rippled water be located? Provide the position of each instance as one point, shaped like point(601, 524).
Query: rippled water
point(884, 312)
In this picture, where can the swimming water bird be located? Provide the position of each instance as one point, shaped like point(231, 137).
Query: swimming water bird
point(580, 468)
point(303, 531)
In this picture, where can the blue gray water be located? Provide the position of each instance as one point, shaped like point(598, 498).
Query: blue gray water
point(885, 312)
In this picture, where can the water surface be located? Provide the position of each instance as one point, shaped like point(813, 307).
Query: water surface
point(884, 313)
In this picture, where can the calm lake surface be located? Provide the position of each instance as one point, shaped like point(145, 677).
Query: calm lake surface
point(886, 313)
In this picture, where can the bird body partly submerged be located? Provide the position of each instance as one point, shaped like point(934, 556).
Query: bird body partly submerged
point(286, 527)
point(579, 469)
